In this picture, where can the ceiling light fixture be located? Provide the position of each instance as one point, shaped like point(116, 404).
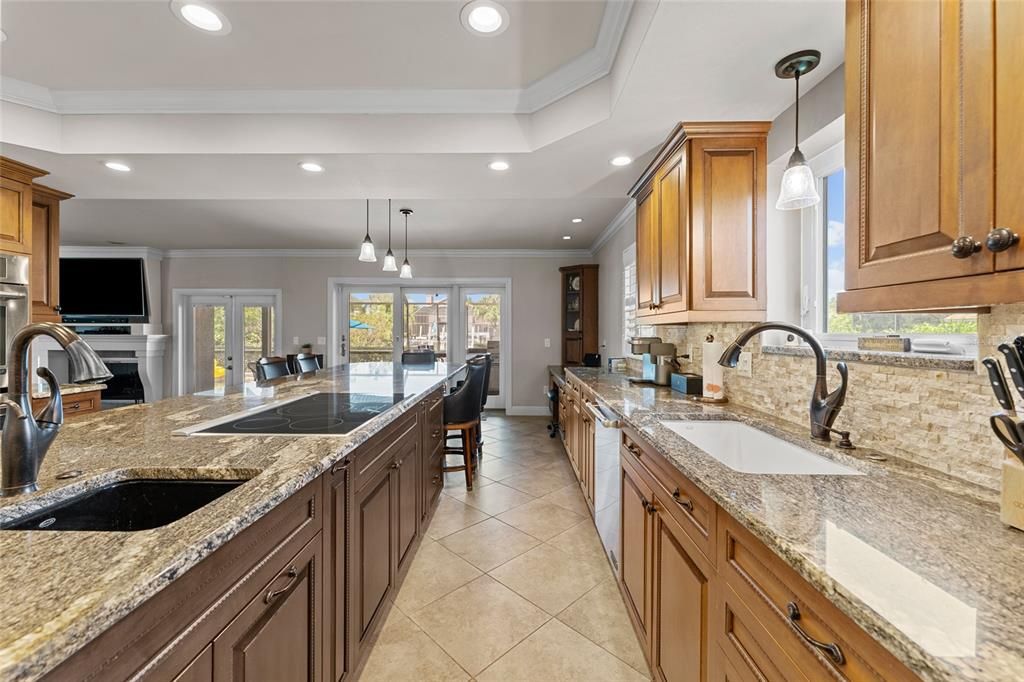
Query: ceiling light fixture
point(199, 15)
point(118, 166)
point(798, 185)
point(389, 258)
point(484, 18)
point(621, 161)
point(498, 165)
point(311, 167)
point(566, 237)
point(366, 252)
point(577, 220)
point(406, 272)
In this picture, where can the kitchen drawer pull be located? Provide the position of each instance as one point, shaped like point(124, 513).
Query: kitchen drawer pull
point(436, 480)
point(436, 433)
point(634, 450)
point(74, 406)
point(832, 649)
point(340, 466)
point(601, 418)
point(684, 502)
point(274, 594)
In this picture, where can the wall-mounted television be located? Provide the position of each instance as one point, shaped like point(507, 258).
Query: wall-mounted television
point(103, 291)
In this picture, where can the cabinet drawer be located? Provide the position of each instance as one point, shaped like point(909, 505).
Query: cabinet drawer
point(694, 510)
point(794, 613)
point(74, 404)
point(745, 650)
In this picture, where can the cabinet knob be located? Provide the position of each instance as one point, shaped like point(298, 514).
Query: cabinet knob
point(396, 464)
point(1000, 239)
point(965, 247)
point(57, 309)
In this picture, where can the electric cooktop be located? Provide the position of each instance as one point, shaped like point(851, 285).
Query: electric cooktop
point(319, 414)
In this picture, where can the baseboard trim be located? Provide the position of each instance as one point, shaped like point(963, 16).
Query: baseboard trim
point(527, 411)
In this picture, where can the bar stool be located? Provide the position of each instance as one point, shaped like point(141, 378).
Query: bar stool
point(462, 413)
point(306, 362)
point(477, 363)
point(272, 367)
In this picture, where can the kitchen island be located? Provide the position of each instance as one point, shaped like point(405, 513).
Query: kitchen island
point(896, 573)
point(79, 610)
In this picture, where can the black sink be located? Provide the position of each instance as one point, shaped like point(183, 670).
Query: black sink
point(137, 504)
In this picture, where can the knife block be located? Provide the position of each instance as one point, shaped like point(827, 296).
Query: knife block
point(1011, 508)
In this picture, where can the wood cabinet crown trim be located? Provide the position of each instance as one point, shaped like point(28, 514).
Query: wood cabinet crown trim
point(50, 192)
point(22, 172)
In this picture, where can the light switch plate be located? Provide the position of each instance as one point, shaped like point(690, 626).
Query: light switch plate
point(547, 343)
point(295, 340)
point(321, 340)
point(744, 365)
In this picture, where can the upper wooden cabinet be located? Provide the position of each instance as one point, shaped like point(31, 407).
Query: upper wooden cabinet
point(16, 205)
point(934, 147)
point(701, 225)
point(46, 253)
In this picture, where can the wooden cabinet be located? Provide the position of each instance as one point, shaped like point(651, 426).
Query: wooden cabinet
point(406, 472)
point(579, 313)
point(16, 205)
point(636, 539)
point(433, 451)
point(46, 253)
point(701, 226)
point(278, 635)
point(373, 550)
point(918, 73)
point(200, 669)
point(75, 404)
point(338, 493)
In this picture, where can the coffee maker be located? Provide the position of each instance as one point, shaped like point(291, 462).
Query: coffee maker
point(659, 360)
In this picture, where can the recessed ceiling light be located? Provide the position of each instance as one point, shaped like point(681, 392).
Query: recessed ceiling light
point(566, 237)
point(118, 166)
point(311, 167)
point(202, 16)
point(621, 161)
point(484, 17)
point(498, 165)
point(577, 220)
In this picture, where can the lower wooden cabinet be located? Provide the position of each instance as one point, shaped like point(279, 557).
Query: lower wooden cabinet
point(338, 493)
point(636, 539)
point(75, 404)
point(200, 669)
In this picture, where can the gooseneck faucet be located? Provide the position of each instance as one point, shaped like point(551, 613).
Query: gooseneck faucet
point(26, 437)
point(825, 406)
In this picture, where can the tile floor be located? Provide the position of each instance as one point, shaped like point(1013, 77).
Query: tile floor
point(510, 582)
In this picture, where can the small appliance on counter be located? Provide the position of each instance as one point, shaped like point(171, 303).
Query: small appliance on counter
point(638, 345)
point(687, 384)
point(659, 362)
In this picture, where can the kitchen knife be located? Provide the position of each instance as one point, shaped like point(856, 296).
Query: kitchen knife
point(995, 375)
point(1018, 343)
point(1015, 365)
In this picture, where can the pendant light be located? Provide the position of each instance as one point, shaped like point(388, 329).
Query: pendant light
point(406, 272)
point(366, 252)
point(389, 258)
point(799, 189)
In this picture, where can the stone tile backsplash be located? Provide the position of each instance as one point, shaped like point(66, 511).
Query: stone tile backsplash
point(936, 418)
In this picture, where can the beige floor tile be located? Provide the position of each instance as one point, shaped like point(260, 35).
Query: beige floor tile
point(584, 544)
point(570, 497)
point(539, 481)
point(479, 622)
point(549, 577)
point(403, 651)
point(601, 616)
point(433, 573)
point(452, 515)
point(456, 480)
point(492, 499)
point(541, 519)
point(496, 468)
point(557, 652)
point(489, 543)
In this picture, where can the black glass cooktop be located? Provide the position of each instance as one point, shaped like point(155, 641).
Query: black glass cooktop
point(317, 414)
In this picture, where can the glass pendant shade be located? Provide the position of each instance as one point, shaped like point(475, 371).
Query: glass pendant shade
point(366, 252)
point(799, 188)
point(406, 272)
point(389, 262)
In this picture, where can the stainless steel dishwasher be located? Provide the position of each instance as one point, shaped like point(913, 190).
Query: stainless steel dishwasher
point(607, 492)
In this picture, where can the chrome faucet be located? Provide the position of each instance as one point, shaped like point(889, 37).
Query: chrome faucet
point(27, 437)
point(825, 406)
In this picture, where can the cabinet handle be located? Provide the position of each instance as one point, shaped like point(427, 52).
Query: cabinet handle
point(436, 433)
point(274, 594)
point(57, 309)
point(684, 502)
point(436, 480)
point(340, 466)
point(832, 649)
point(396, 464)
point(965, 247)
point(634, 450)
point(74, 406)
point(1000, 239)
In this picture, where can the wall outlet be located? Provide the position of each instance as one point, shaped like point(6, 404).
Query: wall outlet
point(321, 340)
point(744, 365)
point(691, 353)
point(295, 340)
point(547, 343)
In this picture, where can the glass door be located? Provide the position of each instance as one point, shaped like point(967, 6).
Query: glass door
point(482, 333)
point(226, 335)
point(254, 320)
point(371, 333)
point(425, 322)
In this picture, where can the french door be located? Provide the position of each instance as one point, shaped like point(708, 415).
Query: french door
point(225, 335)
point(482, 326)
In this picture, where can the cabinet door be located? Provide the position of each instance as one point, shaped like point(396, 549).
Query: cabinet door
point(15, 216)
point(646, 255)
point(1009, 128)
point(373, 550)
point(339, 502)
point(635, 545)
point(680, 602)
point(727, 194)
point(46, 253)
point(672, 230)
point(407, 487)
point(200, 669)
point(278, 635)
point(914, 162)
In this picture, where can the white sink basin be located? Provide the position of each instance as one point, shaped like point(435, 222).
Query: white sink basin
point(750, 451)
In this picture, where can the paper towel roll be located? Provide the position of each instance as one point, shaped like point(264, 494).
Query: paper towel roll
point(712, 371)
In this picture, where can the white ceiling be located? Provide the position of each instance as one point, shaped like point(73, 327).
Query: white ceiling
point(232, 181)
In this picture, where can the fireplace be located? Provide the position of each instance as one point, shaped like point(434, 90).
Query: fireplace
point(126, 384)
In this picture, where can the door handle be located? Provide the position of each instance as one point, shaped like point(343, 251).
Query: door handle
point(343, 345)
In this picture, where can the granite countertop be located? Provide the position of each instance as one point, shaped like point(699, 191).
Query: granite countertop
point(918, 559)
point(68, 389)
point(64, 588)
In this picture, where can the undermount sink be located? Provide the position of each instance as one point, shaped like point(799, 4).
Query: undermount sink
point(135, 504)
point(751, 451)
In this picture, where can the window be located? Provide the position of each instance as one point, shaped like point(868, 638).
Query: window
point(628, 297)
point(841, 329)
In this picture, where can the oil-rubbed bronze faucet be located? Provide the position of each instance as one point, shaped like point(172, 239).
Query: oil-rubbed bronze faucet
point(27, 437)
point(825, 406)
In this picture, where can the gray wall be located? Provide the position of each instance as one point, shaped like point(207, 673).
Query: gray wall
point(609, 257)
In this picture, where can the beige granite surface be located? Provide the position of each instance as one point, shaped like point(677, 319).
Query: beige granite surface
point(63, 588)
point(68, 389)
point(918, 559)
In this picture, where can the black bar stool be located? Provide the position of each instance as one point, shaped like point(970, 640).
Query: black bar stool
point(306, 362)
point(462, 413)
point(267, 368)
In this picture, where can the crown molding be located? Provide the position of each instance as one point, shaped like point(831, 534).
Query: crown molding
point(111, 252)
point(353, 253)
point(591, 65)
point(627, 216)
